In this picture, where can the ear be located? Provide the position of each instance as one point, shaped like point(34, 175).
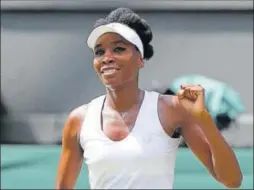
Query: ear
point(141, 62)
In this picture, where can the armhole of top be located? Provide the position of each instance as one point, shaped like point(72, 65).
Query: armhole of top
point(79, 135)
point(79, 143)
point(88, 106)
point(177, 132)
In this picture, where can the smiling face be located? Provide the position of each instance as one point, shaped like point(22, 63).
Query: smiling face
point(116, 61)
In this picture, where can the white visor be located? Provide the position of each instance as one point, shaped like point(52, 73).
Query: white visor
point(121, 29)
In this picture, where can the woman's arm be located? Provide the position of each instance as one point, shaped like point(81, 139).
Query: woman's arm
point(71, 157)
point(207, 143)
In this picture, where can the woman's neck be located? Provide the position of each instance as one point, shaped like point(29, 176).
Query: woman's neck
point(124, 98)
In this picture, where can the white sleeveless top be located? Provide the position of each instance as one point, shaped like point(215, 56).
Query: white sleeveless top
point(145, 159)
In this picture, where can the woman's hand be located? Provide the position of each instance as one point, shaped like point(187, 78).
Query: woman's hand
point(192, 98)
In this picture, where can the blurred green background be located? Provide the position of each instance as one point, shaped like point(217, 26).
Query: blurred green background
point(34, 167)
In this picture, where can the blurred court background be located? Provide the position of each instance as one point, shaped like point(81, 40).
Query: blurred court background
point(46, 71)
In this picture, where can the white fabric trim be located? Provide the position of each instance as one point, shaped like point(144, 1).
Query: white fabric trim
point(121, 29)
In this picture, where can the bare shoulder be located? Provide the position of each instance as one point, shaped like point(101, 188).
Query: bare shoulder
point(169, 114)
point(174, 108)
point(78, 113)
point(74, 121)
point(169, 101)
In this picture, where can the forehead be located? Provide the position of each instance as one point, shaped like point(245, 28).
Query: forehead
point(109, 38)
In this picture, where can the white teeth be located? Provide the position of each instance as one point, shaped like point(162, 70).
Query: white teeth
point(109, 71)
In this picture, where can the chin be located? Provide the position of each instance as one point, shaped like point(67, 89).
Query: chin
point(111, 82)
point(113, 87)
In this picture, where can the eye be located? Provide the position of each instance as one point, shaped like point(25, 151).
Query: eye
point(119, 49)
point(99, 52)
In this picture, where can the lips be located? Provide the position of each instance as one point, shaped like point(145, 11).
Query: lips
point(109, 70)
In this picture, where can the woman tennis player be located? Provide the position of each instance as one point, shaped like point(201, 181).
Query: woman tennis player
point(128, 137)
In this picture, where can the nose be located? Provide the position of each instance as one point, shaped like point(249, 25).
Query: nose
point(107, 58)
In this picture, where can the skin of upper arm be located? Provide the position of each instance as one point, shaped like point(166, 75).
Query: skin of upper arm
point(71, 157)
point(190, 131)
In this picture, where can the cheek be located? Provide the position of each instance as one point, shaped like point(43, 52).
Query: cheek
point(131, 69)
point(96, 65)
point(130, 60)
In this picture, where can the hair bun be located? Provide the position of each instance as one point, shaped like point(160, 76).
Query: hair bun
point(147, 32)
point(148, 51)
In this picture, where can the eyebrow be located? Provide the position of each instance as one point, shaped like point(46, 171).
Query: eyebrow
point(114, 42)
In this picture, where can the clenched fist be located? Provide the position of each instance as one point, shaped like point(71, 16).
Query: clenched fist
point(192, 98)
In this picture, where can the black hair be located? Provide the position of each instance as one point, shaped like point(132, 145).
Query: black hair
point(128, 17)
